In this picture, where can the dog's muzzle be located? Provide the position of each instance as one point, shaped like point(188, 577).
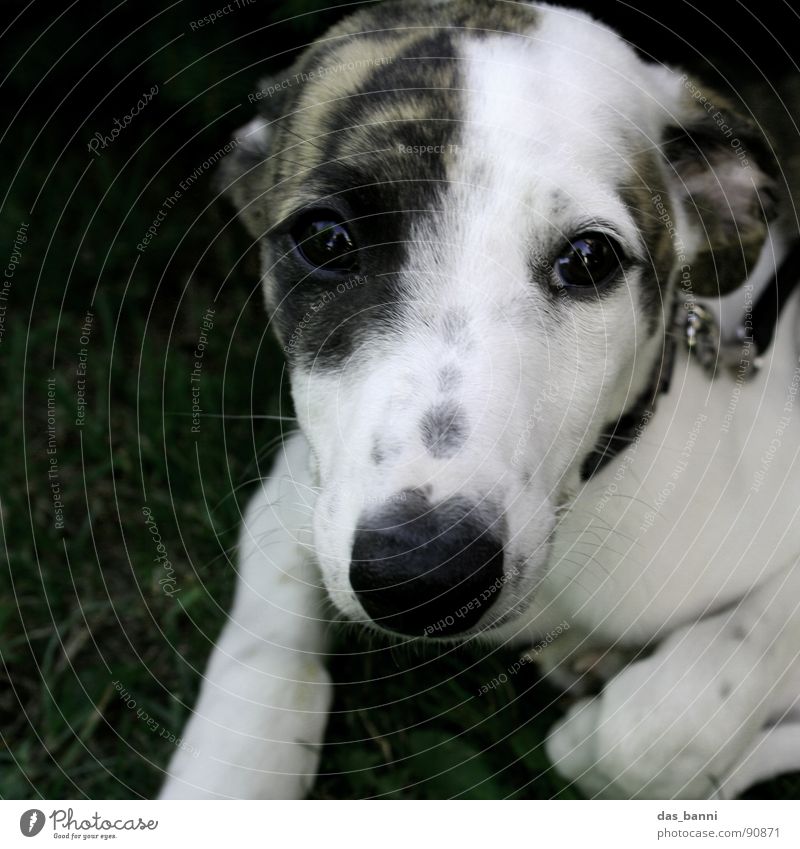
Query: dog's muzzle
point(424, 570)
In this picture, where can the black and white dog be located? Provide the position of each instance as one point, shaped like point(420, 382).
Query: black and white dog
point(488, 231)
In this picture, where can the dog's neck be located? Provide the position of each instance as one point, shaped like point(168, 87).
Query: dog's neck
point(740, 329)
point(620, 433)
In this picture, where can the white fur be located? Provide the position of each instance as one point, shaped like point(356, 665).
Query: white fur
point(522, 143)
point(685, 542)
point(257, 728)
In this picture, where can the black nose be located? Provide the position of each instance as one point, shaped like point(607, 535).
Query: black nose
point(426, 571)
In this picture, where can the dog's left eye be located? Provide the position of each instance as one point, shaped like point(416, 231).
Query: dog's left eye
point(590, 260)
point(324, 241)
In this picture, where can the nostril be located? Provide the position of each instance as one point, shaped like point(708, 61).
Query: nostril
point(426, 572)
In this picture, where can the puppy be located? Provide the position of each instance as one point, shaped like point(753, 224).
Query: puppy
point(486, 231)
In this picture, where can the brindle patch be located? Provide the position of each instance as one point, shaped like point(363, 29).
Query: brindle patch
point(387, 72)
point(646, 187)
point(345, 134)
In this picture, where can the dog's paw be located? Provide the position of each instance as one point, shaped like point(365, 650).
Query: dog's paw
point(255, 734)
point(645, 738)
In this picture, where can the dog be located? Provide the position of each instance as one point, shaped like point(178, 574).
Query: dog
point(525, 281)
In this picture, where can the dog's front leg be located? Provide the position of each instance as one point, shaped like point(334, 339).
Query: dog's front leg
point(257, 729)
point(679, 723)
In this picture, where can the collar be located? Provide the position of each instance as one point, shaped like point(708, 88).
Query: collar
point(698, 329)
point(744, 357)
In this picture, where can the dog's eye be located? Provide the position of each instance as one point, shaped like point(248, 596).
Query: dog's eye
point(590, 260)
point(325, 242)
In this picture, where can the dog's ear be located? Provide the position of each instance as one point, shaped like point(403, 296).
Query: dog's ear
point(722, 171)
point(242, 177)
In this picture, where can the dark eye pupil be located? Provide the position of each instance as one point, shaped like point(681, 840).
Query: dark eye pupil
point(325, 242)
point(590, 260)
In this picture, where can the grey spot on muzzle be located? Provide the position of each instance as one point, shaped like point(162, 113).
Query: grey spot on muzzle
point(443, 429)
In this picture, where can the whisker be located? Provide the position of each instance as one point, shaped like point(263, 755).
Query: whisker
point(610, 529)
point(577, 577)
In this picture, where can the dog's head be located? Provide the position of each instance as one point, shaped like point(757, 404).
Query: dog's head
point(474, 220)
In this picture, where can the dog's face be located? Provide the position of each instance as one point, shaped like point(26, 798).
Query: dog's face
point(473, 223)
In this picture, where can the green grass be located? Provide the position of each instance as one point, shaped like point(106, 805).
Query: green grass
point(81, 606)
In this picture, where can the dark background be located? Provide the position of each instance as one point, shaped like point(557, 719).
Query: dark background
point(81, 606)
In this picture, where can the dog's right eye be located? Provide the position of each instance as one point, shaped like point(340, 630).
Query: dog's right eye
point(325, 242)
point(590, 261)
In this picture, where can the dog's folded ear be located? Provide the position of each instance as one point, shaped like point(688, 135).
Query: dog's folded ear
point(722, 171)
point(242, 176)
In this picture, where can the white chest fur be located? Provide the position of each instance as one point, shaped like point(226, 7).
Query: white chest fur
point(700, 510)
